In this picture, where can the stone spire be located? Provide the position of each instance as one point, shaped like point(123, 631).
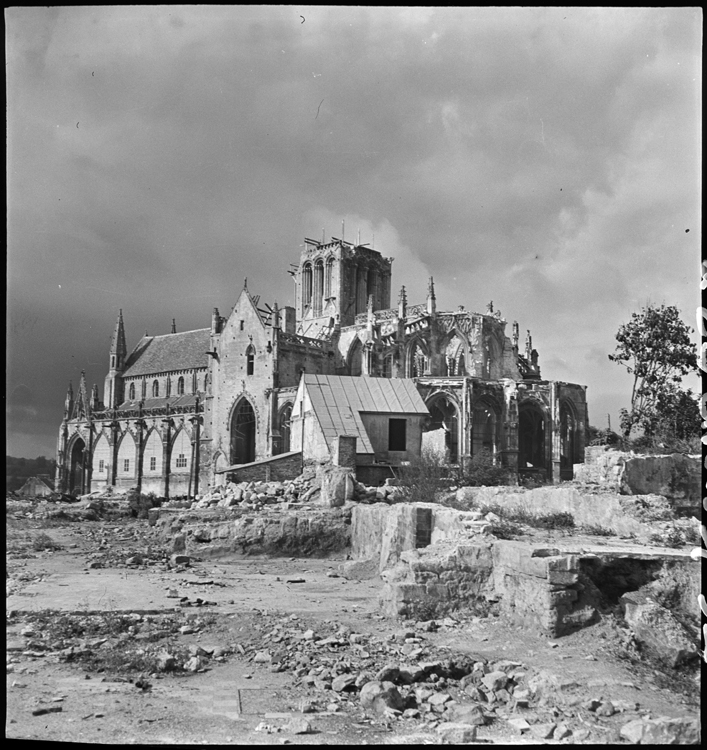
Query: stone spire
point(69, 402)
point(515, 335)
point(402, 302)
point(94, 397)
point(528, 345)
point(118, 348)
point(174, 326)
point(431, 299)
point(275, 316)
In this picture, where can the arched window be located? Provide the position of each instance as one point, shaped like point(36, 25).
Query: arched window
point(318, 286)
point(417, 363)
point(250, 360)
point(180, 386)
point(388, 366)
point(328, 278)
point(306, 285)
point(284, 427)
point(155, 388)
point(168, 389)
point(356, 359)
point(132, 392)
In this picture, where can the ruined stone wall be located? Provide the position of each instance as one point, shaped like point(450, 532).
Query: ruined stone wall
point(617, 513)
point(278, 468)
point(675, 476)
point(428, 582)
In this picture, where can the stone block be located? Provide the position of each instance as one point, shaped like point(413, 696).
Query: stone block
point(656, 627)
point(455, 733)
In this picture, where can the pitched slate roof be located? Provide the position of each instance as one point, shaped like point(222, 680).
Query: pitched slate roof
point(338, 401)
point(174, 351)
point(175, 403)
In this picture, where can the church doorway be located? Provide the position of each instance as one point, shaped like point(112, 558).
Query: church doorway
point(243, 433)
point(531, 438)
point(445, 417)
point(77, 468)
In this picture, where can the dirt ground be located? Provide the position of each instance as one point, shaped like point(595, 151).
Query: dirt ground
point(232, 609)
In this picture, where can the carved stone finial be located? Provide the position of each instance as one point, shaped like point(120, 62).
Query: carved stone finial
point(489, 307)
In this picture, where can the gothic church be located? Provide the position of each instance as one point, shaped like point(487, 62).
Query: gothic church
point(181, 408)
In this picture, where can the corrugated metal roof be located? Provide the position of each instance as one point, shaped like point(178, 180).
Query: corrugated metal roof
point(338, 401)
point(174, 351)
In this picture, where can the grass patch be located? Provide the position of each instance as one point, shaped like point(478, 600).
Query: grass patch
point(43, 542)
point(596, 530)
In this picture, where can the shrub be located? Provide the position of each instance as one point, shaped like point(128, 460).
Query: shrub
point(424, 477)
point(670, 537)
point(481, 470)
point(43, 542)
point(554, 521)
point(505, 529)
point(595, 530)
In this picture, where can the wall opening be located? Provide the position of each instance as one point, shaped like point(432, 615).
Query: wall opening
point(243, 433)
point(76, 470)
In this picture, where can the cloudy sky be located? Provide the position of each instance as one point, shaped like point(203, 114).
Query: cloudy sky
point(545, 159)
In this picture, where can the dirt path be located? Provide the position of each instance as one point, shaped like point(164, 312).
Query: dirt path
point(255, 604)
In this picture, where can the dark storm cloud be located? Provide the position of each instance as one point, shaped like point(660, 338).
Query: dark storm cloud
point(543, 158)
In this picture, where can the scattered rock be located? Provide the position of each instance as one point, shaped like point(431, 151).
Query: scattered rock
point(520, 725)
point(41, 710)
point(456, 734)
point(543, 731)
point(377, 696)
point(465, 713)
point(662, 731)
point(298, 725)
point(656, 627)
point(343, 682)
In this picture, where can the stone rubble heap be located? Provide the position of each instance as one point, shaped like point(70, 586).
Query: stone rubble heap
point(435, 689)
point(294, 494)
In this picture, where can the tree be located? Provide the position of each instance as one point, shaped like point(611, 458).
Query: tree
point(654, 347)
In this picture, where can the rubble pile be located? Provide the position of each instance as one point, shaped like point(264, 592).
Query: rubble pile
point(111, 642)
point(405, 678)
point(299, 493)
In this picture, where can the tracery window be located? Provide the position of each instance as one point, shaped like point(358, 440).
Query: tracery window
point(155, 388)
point(180, 386)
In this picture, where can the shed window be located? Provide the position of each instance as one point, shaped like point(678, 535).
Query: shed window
point(396, 434)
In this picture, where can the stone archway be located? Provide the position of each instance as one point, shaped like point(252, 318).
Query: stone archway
point(77, 469)
point(568, 442)
point(284, 428)
point(485, 427)
point(531, 437)
point(243, 431)
point(445, 416)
